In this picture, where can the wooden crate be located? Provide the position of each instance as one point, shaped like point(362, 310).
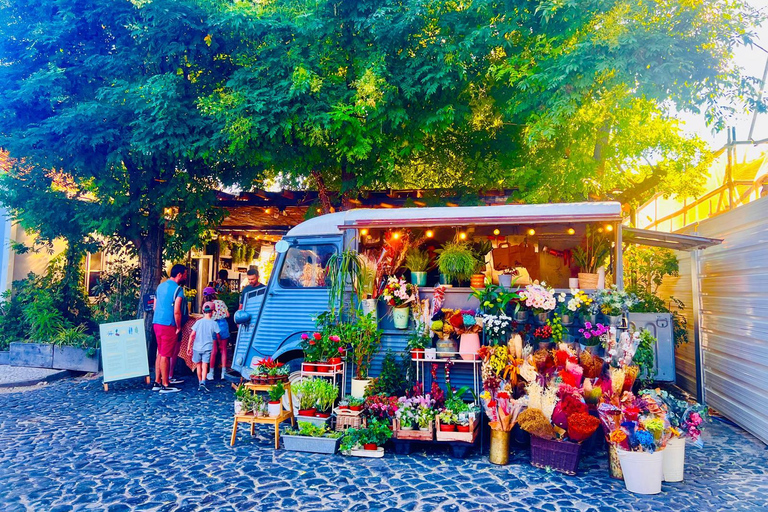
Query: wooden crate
point(348, 419)
point(464, 437)
point(415, 435)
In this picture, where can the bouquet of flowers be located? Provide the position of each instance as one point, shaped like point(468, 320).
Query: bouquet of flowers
point(579, 301)
point(464, 321)
point(538, 297)
point(441, 324)
point(397, 293)
point(502, 410)
point(498, 329)
point(613, 301)
point(635, 423)
point(594, 335)
point(685, 419)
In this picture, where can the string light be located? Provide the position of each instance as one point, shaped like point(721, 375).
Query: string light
point(531, 232)
point(496, 232)
point(396, 235)
point(430, 233)
point(571, 231)
point(463, 235)
point(609, 227)
point(364, 232)
point(268, 211)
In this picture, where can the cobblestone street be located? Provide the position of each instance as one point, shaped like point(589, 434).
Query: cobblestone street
point(70, 446)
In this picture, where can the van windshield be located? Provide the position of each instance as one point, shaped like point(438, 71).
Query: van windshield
point(304, 266)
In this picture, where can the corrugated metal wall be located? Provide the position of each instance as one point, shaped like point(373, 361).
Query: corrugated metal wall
point(733, 282)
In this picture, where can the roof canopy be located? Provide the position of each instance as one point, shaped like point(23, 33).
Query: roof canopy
point(460, 216)
point(668, 240)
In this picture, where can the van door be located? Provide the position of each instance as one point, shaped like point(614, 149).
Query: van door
point(297, 293)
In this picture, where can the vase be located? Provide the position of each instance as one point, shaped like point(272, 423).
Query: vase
point(505, 280)
point(566, 319)
point(358, 387)
point(541, 318)
point(400, 317)
point(470, 344)
point(369, 306)
point(419, 278)
point(588, 281)
point(643, 471)
point(445, 280)
point(674, 460)
point(446, 348)
point(614, 466)
point(615, 320)
point(499, 451)
point(477, 281)
point(521, 316)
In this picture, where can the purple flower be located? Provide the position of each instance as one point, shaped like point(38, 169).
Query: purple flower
point(587, 325)
point(587, 335)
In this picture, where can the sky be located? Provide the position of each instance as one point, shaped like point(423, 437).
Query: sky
point(753, 61)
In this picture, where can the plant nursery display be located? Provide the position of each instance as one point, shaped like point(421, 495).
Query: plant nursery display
point(457, 262)
point(312, 438)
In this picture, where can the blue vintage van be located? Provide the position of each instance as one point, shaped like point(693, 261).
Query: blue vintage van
point(273, 318)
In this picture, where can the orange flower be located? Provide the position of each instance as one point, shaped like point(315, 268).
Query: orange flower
point(617, 436)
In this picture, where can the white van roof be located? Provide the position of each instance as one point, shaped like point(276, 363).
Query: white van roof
point(334, 223)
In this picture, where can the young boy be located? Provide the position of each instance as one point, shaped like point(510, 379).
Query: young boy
point(201, 343)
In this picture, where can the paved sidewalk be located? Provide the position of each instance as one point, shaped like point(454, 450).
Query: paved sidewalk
point(71, 446)
point(18, 376)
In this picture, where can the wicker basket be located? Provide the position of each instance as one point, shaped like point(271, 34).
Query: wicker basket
point(562, 456)
point(345, 421)
point(587, 281)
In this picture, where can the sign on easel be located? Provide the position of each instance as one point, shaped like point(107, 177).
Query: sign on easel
point(123, 351)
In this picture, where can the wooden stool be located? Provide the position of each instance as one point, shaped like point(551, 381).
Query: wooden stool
point(274, 420)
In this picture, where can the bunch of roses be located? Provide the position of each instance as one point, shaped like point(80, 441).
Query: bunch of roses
point(538, 297)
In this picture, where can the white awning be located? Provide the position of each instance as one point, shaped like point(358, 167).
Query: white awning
point(668, 240)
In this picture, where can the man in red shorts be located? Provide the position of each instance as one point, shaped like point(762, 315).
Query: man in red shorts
point(167, 325)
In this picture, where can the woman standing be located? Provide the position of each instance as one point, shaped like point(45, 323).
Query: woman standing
point(220, 314)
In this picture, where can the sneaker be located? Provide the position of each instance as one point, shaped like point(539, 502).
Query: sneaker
point(203, 388)
point(175, 381)
point(169, 389)
point(223, 375)
point(209, 376)
point(156, 386)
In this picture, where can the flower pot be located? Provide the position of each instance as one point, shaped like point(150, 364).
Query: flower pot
point(445, 280)
point(477, 281)
point(643, 471)
point(308, 412)
point(470, 344)
point(358, 387)
point(270, 379)
point(674, 460)
point(343, 407)
point(417, 353)
point(499, 453)
point(238, 407)
point(400, 316)
point(336, 362)
point(444, 347)
point(541, 318)
point(406, 426)
point(447, 427)
point(566, 319)
point(274, 408)
point(369, 306)
point(323, 414)
point(614, 466)
point(615, 320)
point(326, 445)
point(370, 446)
point(74, 358)
point(322, 367)
point(419, 278)
point(589, 318)
point(588, 281)
point(355, 407)
point(505, 280)
point(521, 316)
point(308, 367)
point(462, 428)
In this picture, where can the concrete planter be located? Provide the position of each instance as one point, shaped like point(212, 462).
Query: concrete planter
point(34, 355)
point(318, 422)
point(5, 357)
point(74, 358)
point(325, 445)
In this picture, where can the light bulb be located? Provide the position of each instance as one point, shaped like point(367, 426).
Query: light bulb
point(531, 232)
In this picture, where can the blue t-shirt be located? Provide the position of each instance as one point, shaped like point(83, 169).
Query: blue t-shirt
point(164, 300)
point(205, 331)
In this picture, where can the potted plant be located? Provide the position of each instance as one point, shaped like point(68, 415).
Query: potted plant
point(400, 295)
point(467, 326)
point(370, 278)
point(497, 329)
point(306, 392)
point(457, 262)
point(418, 341)
point(594, 336)
point(75, 349)
point(364, 337)
point(614, 304)
point(312, 345)
point(312, 438)
point(579, 302)
point(480, 249)
point(590, 256)
point(240, 394)
point(507, 276)
point(276, 392)
point(417, 261)
point(448, 420)
point(355, 404)
point(540, 299)
point(493, 299)
point(326, 393)
point(342, 269)
point(344, 404)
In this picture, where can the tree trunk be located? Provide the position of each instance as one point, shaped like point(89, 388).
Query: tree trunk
point(322, 192)
point(150, 249)
point(347, 190)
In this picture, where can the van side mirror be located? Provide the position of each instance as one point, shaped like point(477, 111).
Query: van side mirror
point(282, 246)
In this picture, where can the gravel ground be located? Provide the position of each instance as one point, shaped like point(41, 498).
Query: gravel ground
point(71, 446)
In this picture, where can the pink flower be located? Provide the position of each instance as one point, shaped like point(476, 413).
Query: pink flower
point(318, 336)
point(305, 336)
point(334, 338)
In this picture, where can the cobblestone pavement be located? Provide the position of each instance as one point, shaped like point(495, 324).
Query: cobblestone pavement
point(70, 446)
point(11, 376)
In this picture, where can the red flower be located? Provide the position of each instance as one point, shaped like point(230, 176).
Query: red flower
point(318, 336)
point(502, 394)
point(312, 342)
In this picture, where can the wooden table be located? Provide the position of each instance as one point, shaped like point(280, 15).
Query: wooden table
point(274, 420)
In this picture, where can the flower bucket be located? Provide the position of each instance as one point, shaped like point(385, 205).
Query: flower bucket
point(369, 306)
point(674, 460)
point(419, 278)
point(587, 281)
point(643, 471)
point(615, 321)
point(566, 318)
point(444, 347)
point(400, 316)
point(499, 453)
point(541, 318)
point(470, 344)
point(521, 316)
point(505, 280)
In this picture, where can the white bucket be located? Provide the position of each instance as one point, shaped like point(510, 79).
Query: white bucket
point(274, 409)
point(642, 471)
point(358, 387)
point(674, 460)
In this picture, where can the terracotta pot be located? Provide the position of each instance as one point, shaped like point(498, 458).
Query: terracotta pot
point(477, 281)
point(309, 367)
point(355, 407)
point(370, 446)
point(417, 353)
point(462, 428)
point(307, 412)
point(447, 427)
point(344, 407)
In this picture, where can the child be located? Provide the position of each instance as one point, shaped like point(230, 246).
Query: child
point(201, 343)
point(220, 315)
